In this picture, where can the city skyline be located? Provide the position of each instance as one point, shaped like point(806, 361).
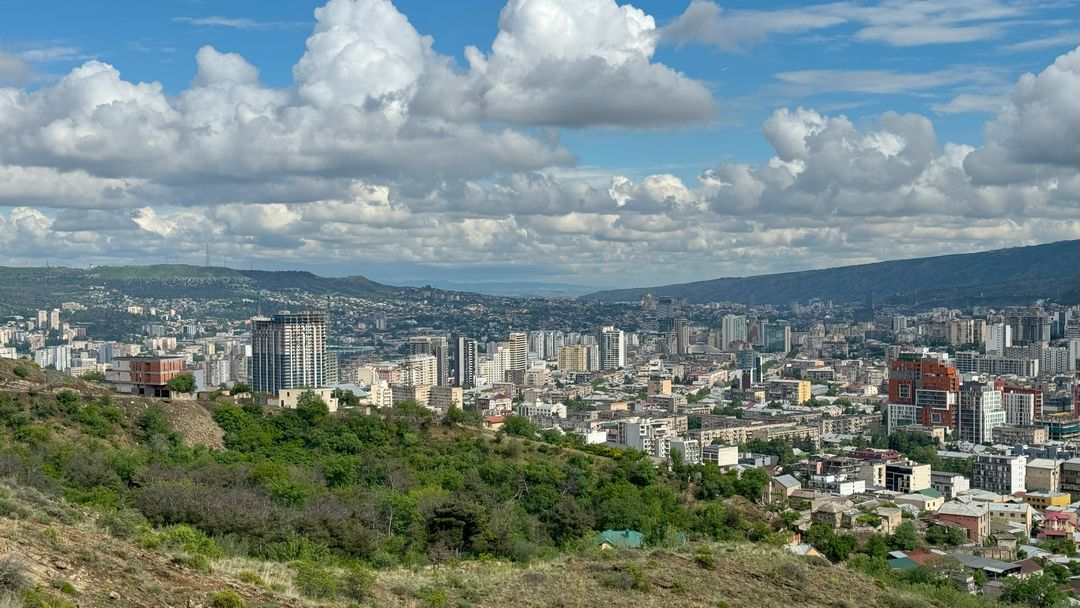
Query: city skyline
point(755, 141)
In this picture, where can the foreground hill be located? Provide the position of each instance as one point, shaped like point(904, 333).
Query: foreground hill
point(111, 501)
point(22, 288)
point(1013, 275)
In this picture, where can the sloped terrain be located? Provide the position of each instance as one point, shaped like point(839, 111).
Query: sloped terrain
point(1002, 276)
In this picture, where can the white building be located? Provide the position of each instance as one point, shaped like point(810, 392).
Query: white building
point(1019, 408)
point(998, 338)
point(420, 370)
point(612, 348)
point(979, 412)
point(689, 448)
point(542, 410)
point(999, 474)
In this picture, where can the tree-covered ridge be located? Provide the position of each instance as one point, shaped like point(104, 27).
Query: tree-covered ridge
point(1012, 275)
point(379, 489)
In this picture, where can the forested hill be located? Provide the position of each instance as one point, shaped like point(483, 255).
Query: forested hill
point(22, 288)
point(1003, 276)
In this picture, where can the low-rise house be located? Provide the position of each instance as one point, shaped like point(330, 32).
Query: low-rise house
point(949, 484)
point(973, 517)
point(1044, 500)
point(890, 519)
point(830, 513)
point(1013, 512)
point(922, 501)
point(781, 488)
point(1057, 524)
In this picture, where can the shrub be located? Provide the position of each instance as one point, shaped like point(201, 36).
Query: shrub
point(123, 523)
point(314, 581)
point(13, 575)
point(64, 587)
point(705, 559)
point(357, 583)
point(21, 371)
point(794, 573)
point(252, 578)
point(226, 599)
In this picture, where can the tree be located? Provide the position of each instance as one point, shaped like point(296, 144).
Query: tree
point(876, 546)
point(183, 383)
point(1064, 546)
point(519, 426)
point(311, 408)
point(949, 537)
point(1039, 591)
point(904, 537)
point(751, 483)
point(239, 388)
point(94, 376)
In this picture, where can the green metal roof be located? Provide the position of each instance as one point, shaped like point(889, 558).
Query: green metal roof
point(627, 539)
point(931, 492)
point(901, 563)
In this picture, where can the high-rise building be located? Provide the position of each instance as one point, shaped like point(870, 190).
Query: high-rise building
point(612, 342)
point(437, 347)
point(1029, 325)
point(420, 370)
point(923, 391)
point(979, 412)
point(999, 474)
point(734, 329)
point(465, 361)
point(54, 319)
point(519, 351)
point(998, 338)
point(665, 307)
point(749, 362)
point(777, 338)
point(288, 351)
point(1023, 405)
point(1058, 321)
point(42, 319)
point(574, 358)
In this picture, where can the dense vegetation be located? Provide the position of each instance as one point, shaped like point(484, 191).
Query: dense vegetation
point(399, 488)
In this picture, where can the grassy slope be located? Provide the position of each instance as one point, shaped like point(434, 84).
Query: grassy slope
point(53, 542)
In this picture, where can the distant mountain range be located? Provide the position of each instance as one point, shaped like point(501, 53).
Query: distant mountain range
point(23, 288)
point(1002, 276)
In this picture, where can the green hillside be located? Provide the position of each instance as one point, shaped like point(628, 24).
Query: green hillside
point(1003, 276)
point(26, 288)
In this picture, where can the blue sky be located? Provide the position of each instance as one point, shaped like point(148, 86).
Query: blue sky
point(956, 64)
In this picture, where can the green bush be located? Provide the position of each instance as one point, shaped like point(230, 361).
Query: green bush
point(64, 587)
point(252, 578)
point(226, 599)
point(705, 559)
point(314, 581)
point(357, 583)
point(123, 523)
point(21, 371)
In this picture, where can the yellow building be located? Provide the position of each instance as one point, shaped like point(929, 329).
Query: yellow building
point(787, 389)
point(574, 358)
point(659, 385)
point(1042, 500)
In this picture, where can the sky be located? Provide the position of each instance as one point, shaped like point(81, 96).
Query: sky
point(566, 141)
